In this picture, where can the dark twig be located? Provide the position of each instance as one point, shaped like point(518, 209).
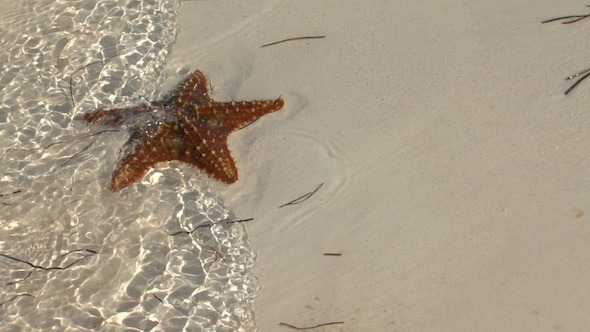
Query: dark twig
point(217, 256)
point(12, 193)
point(575, 18)
point(77, 153)
point(74, 73)
point(292, 39)
point(81, 68)
point(80, 250)
point(577, 82)
point(332, 254)
point(572, 19)
point(21, 280)
point(309, 327)
point(92, 252)
point(34, 266)
point(15, 297)
point(211, 225)
point(81, 137)
point(577, 74)
point(303, 198)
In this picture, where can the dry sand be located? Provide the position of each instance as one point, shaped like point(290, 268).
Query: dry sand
point(455, 171)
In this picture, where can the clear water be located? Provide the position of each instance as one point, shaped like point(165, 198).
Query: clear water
point(74, 255)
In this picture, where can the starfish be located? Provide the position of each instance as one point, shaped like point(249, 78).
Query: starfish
point(186, 125)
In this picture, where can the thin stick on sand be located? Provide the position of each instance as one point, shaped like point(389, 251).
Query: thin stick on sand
point(309, 327)
point(292, 39)
point(303, 198)
point(585, 73)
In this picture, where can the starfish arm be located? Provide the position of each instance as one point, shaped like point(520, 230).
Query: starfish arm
point(208, 151)
point(237, 114)
point(163, 144)
point(187, 126)
point(115, 116)
point(193, 90)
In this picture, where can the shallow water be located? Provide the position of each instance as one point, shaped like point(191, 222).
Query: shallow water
point(74, 255)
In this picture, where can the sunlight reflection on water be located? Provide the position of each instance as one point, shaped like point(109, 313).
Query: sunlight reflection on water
point(75, 255)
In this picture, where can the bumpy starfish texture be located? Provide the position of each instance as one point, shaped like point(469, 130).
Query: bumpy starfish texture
point(187, 126)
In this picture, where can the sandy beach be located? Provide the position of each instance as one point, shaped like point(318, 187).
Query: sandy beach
point(455, 171)
point(446, 172)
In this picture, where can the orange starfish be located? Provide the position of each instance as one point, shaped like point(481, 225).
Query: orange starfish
point(187, 125)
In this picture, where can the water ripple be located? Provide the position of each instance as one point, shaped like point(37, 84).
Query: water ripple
point(75, 256)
